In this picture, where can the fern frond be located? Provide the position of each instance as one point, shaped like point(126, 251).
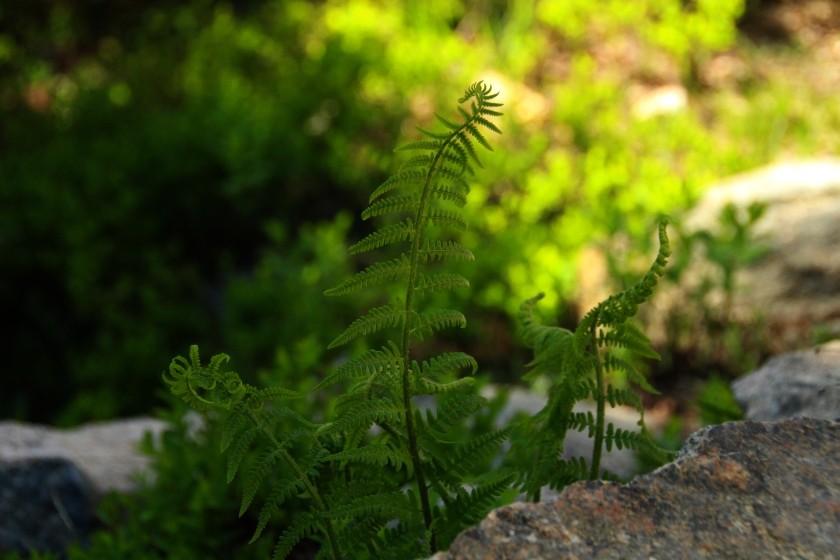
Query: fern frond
point(623, 438)
point(445, 250)
point(568, 471)
point(390, 204)
point(630, 336)
point(469, 508)
point(450, 411)
point(614, 363)
point(450, 193)
point(363, 415)
point(623, 397)
point(375, 320)
point(232, 425)
point(280, 491)
point(449, 362)
point(433, 321)
point(437, 282)
point(403, 178)
point(427, 387)
point(464, 459)
point(387, 505)
point(430, 145)
point(256, 475)
point(445, 218)
point(377, 455)
point(473, 130)
point(379, 273)
point(369, 363)
point(394, 233)
point(303, 525)
point(237, 451)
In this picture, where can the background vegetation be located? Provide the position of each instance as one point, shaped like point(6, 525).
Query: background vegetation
point(188, 173)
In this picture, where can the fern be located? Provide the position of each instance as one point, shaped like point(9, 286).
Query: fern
point(431, 187)
point(577, 363)
point(207, 388)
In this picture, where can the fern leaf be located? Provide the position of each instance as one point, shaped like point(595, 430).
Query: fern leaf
point(232, 426)
point(430, 145)
point(369, 363)
point(450, 411)
point(237, 451)
point(568, 471)
point(363, 415)
point(446, 363)
point(445, 250)
point(417, 161)
point(375, 320)
point(407, 177)
point(612, 362)
point(433, 321)
point(378, 455)
point(303, 525)
point(455, 178)
point(465, 143)
point(448, 124)
point(628, 335)
point(428, 387)
point(437, 282)
point(465, 458)
point(256, 475)
point(385, 505)
point(486, 123)
point(379, 273)
point(389, 204)
point(394, 233)
point(279, 493)
point(473, 130)
point(450, 219)
point(450, 194)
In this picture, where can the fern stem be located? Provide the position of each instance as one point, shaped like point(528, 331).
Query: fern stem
point(416, 243)
point(304, 478)
point(600, 400)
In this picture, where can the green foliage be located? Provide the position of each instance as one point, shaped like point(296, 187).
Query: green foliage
point(577, 365)
point(704, 330)
point(337, 465)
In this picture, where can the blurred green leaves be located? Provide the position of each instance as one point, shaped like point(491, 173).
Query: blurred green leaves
point(147, 149)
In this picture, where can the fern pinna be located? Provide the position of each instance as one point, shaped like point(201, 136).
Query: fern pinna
point(576, 363)
point(429, 190)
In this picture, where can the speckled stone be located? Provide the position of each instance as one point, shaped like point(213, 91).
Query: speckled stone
point(804, 383)
point(738, 490)
point(45, 504)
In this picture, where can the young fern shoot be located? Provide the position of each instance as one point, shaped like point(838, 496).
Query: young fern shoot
point(577, 364)
point(430, 189)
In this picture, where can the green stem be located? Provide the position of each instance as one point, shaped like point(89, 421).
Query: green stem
point(600, 399)
point(411, 432)
point(302, 476)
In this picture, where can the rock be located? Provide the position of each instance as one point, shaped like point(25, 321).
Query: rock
point(803, 383)
point(795, 287)
point(45, 504)
point(105, 452)
point(51, 479)
point(738, 490)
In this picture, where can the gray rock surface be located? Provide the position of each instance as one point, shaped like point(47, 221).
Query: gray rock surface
point(105, 452)
point(738, 490)
point(45, 504)
point(795, 287)
point(803, 383)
